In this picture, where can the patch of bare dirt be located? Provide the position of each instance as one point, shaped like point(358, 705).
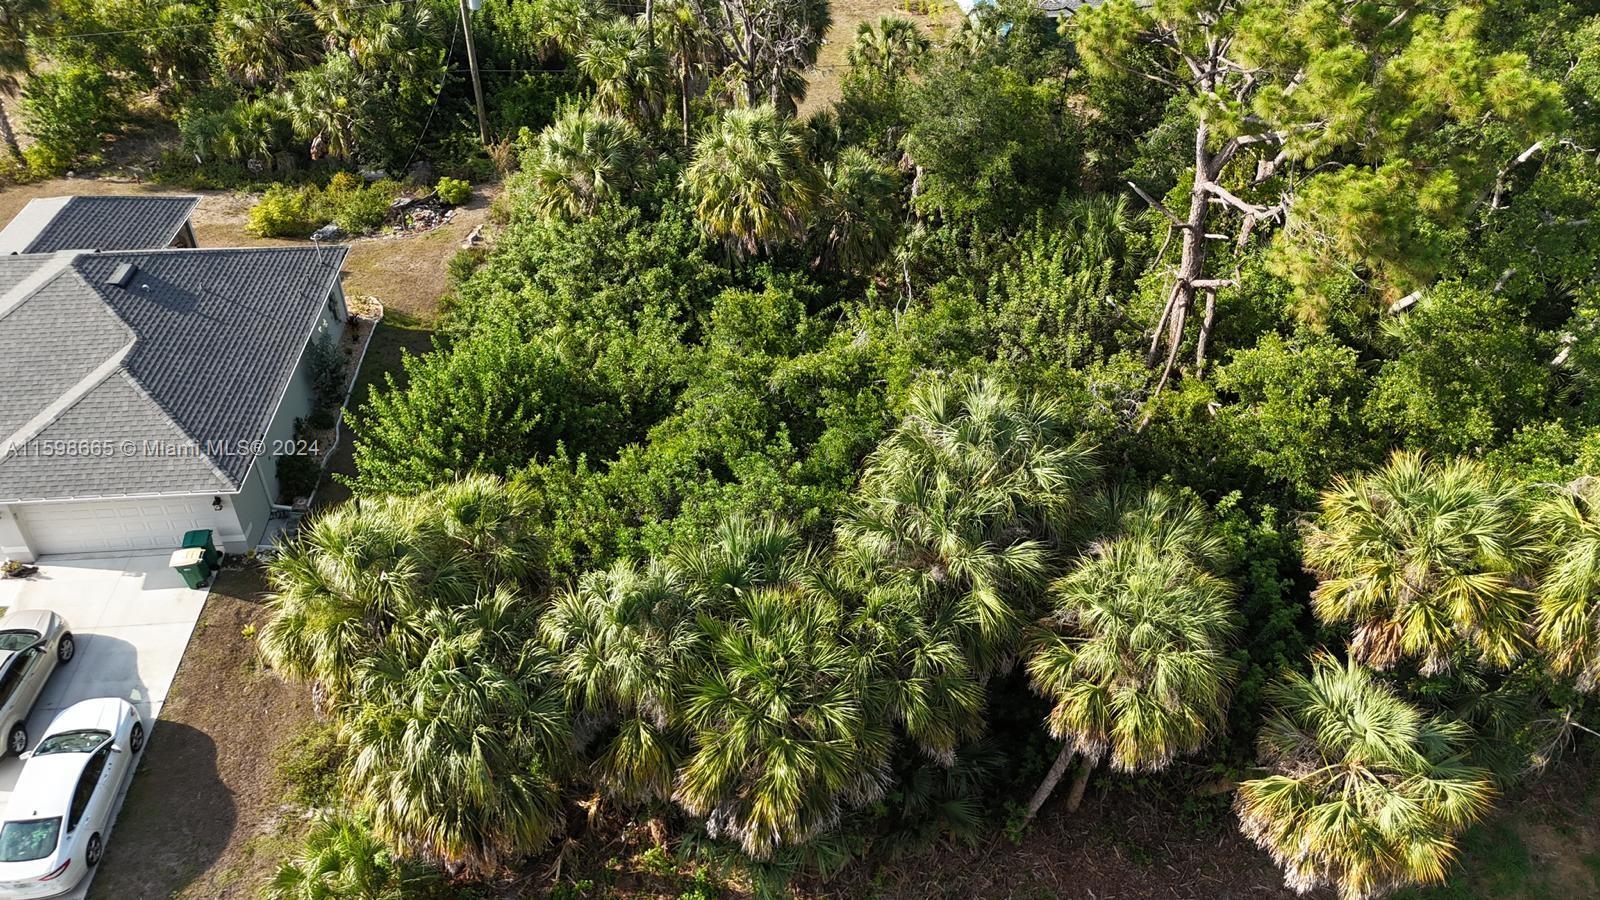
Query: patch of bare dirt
point(1118, 846)
point(206, 801)
point(1558, 821)
point(823, 79)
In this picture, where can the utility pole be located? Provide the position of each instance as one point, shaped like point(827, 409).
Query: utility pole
point(472, 62)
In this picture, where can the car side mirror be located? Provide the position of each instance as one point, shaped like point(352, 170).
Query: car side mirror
point(116, 748)
point(25, 756)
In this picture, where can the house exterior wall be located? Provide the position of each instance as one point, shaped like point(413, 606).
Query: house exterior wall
point(30, 530)
point(297, 403)
point(240, 524)
point(253, 507)
point(13, 543)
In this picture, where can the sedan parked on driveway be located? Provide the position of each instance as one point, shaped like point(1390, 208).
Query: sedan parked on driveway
point(53, 830)
point(32, 643)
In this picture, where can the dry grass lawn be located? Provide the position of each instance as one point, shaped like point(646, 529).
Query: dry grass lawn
point(823, 79)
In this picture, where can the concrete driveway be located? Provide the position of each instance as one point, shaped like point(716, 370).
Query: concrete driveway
point(132, 617)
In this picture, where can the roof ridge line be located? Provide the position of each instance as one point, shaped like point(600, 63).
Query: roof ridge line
point(308, 247)
point(47, 272)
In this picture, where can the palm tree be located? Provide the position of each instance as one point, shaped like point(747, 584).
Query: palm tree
point(751, 180)
point(861, 211)
point(360, 577)
point(978, 35)
point(325, 107)
point(568, 23)
point(622, 639)
point(742, 556)
point(1366, 793)
point(457, 755)
point(486, 531)
point(1134, 652)
point(786, 734)
point(678, 32)
point(929, 687)
point(259, 42)
point(583, 160)
point(629, 75)
point(1168, 521)
point(1568, 617)
point(353, 576)
point(886, 50)
point(1428, 561)
point(15, 18)
point(341, 860)
point(958, 507)
point(248, 132)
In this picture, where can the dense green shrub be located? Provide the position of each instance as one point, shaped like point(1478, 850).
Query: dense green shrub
point(328, 368)
point(283, 211)
point(359, 210)
point(66, 111)
point(347, 201)
point(298, 474)
point(1466, 370)
point(990, 143)
point(1295, 413)
point(453, 191)
point(488, 402)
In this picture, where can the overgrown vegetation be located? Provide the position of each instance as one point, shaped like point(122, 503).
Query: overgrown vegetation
point(1173, 389)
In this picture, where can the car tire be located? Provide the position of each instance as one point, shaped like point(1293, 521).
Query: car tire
point(91, 853)
point(17, 740)
point(66, 649)
point(136, 738)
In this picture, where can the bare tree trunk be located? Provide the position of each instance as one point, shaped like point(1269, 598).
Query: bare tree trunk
point(1192, 258)
point(683, 93)
point(6, 134)
point(1079, 782)
point(1048, 786)
point(1205, 333)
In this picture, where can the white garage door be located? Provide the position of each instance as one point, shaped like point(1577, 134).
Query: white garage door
point(116, 525)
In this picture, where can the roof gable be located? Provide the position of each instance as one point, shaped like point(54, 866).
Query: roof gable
point(137, 222)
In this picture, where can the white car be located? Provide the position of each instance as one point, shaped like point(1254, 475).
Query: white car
point(53, 830)
point(32, 643)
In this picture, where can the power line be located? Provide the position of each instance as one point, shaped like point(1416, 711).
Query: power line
point(437, 96)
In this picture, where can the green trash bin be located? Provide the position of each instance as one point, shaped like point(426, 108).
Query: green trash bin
point(190, 562)
point(201, 537)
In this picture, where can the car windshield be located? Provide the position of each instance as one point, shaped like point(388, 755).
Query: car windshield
point(71, 742)
point(19, 639)
point(29, 839)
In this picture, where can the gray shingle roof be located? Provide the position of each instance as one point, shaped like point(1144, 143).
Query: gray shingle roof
point(196, 349)
point(51, 343)
point(97, 223)
point(142, 467)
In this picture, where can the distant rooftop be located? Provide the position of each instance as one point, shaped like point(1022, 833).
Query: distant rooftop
point(52, 224)
point(1055, 9)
